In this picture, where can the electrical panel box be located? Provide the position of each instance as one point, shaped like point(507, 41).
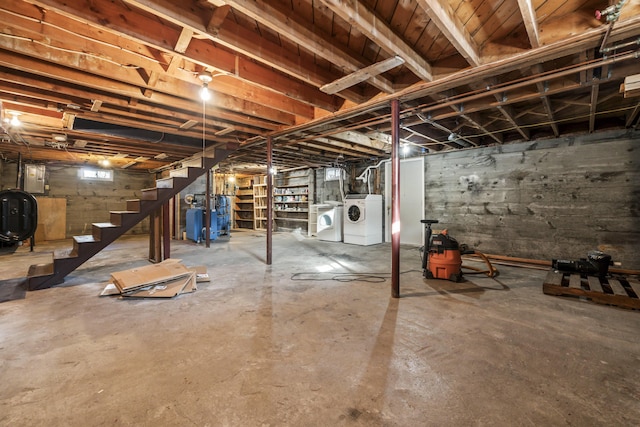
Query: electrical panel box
point(34, 179)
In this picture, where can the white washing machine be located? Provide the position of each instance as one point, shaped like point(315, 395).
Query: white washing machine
point(363, 219)
point(330, 221)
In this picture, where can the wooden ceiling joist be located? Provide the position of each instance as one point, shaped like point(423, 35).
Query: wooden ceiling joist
point(311, 39)
point(135, 63)
point(530, 21)
point(445, 19)
point(368, 23)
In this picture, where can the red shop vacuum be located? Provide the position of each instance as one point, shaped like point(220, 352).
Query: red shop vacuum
point(442, 256)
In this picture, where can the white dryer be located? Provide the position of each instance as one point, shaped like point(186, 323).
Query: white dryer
point(330, 221)
point(363, 219)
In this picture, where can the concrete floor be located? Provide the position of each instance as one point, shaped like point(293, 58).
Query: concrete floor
point(300, 344)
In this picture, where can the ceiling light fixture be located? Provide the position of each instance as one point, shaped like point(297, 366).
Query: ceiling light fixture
point(15, 121)
point(205, 78)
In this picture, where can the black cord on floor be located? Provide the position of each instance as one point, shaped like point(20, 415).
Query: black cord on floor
point(345, 277)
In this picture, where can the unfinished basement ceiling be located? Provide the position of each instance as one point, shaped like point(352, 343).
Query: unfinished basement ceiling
point(118, 80)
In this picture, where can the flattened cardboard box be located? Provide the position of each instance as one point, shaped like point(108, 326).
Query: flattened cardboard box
point(136, 278)
point(166, 289)
point(201, 273)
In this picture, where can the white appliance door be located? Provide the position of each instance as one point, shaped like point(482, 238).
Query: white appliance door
point(411, 201)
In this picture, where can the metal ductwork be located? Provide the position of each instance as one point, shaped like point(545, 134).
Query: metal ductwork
point(128, 132)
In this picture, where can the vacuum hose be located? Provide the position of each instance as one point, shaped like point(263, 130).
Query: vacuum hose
point(491, 272)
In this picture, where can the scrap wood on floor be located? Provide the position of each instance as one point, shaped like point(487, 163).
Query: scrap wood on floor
point(166, 279)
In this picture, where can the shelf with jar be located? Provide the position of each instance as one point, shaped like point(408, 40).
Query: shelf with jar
point(259, 203)
point(291, 200)
point(243, 205)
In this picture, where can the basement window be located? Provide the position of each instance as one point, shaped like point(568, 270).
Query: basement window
point(96, 174)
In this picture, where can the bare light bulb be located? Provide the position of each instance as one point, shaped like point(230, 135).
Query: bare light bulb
point(15, 121)
point(205, 95)
point(205, 78)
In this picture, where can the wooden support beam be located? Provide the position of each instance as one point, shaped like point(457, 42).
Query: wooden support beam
point(361, 75)
point(530, 21)
point(507, 112)
point(359, 15)
point(95, 105)
point(632, 115)
point(188, 124)
point(312, 39)
point(546, 103)
point(446, 20)
point(217, 19)
point(144, 34)
point(477, 125)
point(183, 40)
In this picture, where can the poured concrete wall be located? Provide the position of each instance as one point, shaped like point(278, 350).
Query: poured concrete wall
point(545, 199)
point(87, 201)
point(91, 201)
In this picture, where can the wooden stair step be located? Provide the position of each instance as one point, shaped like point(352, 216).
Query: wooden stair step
point(42, 276)
point(153, 193)
point(64, 253)
point(193, 163)
point(117, 217)
point(98, 228)
point(87, 238)
point(179, 172)
point(82, 244)
point(134, 205)
point(38, 270)
point(171, 182)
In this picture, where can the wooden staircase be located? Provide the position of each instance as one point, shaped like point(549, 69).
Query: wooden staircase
point(42, 276)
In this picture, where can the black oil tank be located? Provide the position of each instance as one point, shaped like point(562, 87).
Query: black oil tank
point(18, 215)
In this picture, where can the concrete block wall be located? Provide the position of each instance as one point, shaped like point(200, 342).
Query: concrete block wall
point(547, 199)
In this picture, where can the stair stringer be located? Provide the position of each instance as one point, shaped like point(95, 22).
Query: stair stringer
point(42, 276)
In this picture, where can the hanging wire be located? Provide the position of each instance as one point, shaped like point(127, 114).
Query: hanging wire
point(204, 117)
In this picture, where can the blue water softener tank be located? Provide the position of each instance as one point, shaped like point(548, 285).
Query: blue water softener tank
point(196, 225)
point(223, 210)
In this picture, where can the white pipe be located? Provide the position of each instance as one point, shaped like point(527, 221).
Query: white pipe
point(366, 174)
point(341, 180)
